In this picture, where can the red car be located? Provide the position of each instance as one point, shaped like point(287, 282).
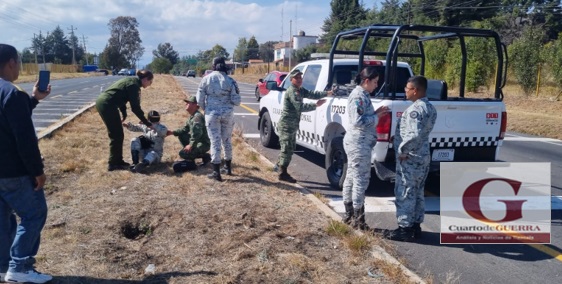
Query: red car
point(276, 76)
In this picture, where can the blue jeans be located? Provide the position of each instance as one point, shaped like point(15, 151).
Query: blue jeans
point(19, 243)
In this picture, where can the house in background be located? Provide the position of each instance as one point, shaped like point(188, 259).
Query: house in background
point(284, 49)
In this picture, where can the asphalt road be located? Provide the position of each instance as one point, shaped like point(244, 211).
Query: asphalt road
point(445, 263)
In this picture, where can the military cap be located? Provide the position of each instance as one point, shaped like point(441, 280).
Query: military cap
point(295, 73)
point(191, 99)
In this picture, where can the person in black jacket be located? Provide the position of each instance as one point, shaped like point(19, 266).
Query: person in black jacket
point(113, 100)
point(21, 176)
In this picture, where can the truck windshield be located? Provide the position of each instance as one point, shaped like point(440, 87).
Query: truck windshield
point(345, 74)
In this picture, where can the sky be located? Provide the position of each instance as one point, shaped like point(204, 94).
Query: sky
point(188, 25)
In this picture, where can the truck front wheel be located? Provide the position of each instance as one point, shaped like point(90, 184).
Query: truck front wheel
point(267, 133)
point(336, 163)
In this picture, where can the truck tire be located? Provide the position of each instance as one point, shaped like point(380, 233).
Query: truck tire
point(336, 163)
point(267, 134)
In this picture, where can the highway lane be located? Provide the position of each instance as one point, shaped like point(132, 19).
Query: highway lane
point(446, 263)
point(67, 96)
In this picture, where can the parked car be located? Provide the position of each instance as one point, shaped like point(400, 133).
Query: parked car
point(123, 72)
point(276, 76)
point(190, 73)
point(207, 72)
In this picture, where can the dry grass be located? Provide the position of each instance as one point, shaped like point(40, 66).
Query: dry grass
point(108, 227)
point(56, 76)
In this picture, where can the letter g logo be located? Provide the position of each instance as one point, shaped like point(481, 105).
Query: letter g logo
point(471, 201)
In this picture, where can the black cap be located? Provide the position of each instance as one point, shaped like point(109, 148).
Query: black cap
point(153, 116)
point(218, 60)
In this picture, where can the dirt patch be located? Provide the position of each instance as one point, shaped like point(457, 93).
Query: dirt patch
point(161, 227)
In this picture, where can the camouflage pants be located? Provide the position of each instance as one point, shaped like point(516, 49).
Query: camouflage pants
point(358, 175)
point(219, 128)
point(409, 190)
point(145, 154)
point(288, 143)
point(196, 152)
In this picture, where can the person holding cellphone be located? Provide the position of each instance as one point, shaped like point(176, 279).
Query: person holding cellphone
point(21, 176)
point(113, 100)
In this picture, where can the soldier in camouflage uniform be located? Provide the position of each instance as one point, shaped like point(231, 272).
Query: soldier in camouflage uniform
point(113, 100)
point(149, 147)
point(359, 141)
point(217, 95)
point(193, 137)
point(411, 143)
point(288, 124)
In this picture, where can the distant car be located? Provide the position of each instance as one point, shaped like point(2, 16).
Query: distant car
point(104, 71)
point(132, 72)
point(276, 76)
point(123, 72)
point(207, 72)
point(190, 73)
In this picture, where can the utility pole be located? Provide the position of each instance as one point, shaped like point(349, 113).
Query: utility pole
point(43, 51)
point(35, 49)
point(290, 42)
point(85, 54)
point(73, 43)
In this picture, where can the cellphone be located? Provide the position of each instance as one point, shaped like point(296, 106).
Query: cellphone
point(44, 77)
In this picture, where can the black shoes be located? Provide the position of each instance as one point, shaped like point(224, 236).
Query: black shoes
point(216, 174)
point(119, 166)
point(285, 176)
point(402, 234)
point(206, 159)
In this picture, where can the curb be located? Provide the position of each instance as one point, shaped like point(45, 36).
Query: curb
point(47, 132)
point(377, 252)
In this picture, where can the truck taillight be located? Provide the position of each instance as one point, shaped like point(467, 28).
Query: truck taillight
point(503, 126)
point(383, 127)
point(372, 63)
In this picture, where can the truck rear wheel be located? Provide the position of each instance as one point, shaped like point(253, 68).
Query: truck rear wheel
point(336, 163)
point(267, 134)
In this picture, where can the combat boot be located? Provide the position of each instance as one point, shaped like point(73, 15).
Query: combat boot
point(135, 156)
point(206, 159)
point(417, 231)
point(138, 168)
point(285, 176)
point(216, 174)
point(402, 234)
point(359, 219)
point(348, 217)
point(227, 168)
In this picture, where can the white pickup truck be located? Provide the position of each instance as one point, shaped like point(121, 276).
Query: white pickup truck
point(467, 129)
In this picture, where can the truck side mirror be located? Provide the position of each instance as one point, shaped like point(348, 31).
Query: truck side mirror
point(272, 85)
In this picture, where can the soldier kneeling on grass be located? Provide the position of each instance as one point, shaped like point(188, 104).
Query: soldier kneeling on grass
point(193, 137)
point(148, 148)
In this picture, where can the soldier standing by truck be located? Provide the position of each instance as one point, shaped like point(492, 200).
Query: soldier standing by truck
point(360, 138)
point(288, 125)
point(412, 161)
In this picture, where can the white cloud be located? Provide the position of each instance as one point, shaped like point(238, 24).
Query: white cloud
point(189, 25)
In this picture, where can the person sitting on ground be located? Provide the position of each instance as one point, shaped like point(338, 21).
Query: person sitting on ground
point(193, 137)
point(149, 147)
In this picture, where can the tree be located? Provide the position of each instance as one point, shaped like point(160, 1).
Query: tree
point(124, 45)
point(267, 51)
point(303, 54)
point(525, 58)
point(253, 48)
point(57, 47)
point(345, 14)
point(240, 50)
point(166, 50)
point(160, 65)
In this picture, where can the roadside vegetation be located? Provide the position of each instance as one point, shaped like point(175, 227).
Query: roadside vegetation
point(161, 227)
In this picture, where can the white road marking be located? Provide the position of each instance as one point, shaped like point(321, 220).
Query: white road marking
point(251, 135)
point(245, 113)
point(533, 139)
